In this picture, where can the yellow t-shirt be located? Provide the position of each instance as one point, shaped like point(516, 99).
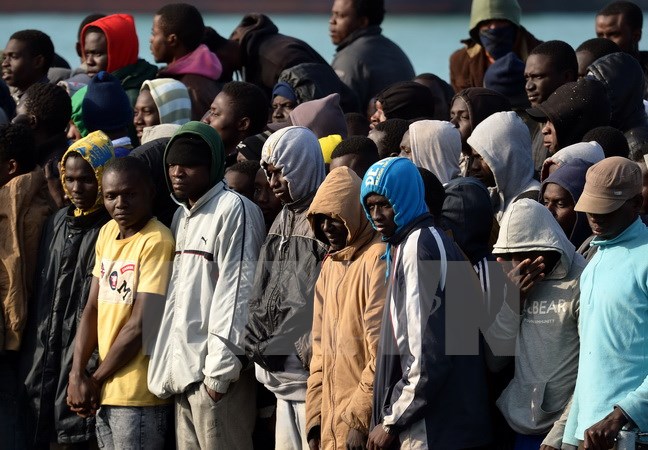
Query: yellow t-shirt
point(140, 263)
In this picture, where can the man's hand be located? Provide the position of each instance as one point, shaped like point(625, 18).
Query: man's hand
point(356, 440)
point(83, 395)
point(215, 396)
point(314, 444)
point(602, 435)
point(379, 440)
point(525, 275)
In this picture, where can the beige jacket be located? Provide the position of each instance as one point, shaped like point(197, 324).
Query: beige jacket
point(349, 299)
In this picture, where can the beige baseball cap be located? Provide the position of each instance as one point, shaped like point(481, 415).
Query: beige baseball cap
point(609, 184)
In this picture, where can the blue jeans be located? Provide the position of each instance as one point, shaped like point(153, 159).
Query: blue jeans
point(133, 427)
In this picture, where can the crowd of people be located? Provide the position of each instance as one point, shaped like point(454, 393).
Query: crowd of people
point(247, 247)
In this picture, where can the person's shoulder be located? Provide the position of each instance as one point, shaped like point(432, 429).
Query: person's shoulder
point(156, 230)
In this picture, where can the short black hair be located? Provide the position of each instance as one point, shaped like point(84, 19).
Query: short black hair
point(374, 10)
point(38, 43)
point(185, 21)
point(249, 101)
point(17, 143)
point(613, 142)
point(88, 19)
point(394, 130)
point(132, 166)
point(629, 10)
point(247, 167)
point(598, 47)
point(434, 193)
point(357, 124)
point(51, 106)
point(361, 146)
point(562, 55)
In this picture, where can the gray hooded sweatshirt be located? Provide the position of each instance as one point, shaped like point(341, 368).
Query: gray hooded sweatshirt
point(504, 142)
point(547, 331)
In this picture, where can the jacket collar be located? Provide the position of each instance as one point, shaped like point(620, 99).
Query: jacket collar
point(207, 196)
point(371, 30)
point(422, 221)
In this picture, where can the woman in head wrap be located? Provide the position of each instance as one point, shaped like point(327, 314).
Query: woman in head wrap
point(161, 101)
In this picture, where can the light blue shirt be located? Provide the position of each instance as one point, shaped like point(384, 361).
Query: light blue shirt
point(613, 362)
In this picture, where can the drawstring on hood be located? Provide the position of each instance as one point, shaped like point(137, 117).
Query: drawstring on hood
point(399, 181)
point(97, 149)
point(436, 146)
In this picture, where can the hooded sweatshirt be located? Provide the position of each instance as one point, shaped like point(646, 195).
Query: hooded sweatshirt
point(281, 305)
point(468, 64)
point(436, 146)
point(590, 152)
point(547, 331)
point(574, 109)
point(349, 299)
point(265, 53)
point(623, 78)
point(171, 98)
point(65, 262)
point(406, 100)
point(503, 141)
point(323, 117)
point(425, 395)
point(571, 177)
point(199, 71)
point(217, 243)
point(123, 50)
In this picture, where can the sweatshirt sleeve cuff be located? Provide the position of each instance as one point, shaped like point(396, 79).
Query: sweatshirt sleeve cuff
point(216, 385)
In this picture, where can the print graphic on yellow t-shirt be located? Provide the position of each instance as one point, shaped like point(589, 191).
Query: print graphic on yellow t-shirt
point(118, 285)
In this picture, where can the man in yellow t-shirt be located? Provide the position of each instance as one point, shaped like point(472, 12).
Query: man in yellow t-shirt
point(129, 283)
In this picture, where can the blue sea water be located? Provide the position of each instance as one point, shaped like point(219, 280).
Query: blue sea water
point(427, 39)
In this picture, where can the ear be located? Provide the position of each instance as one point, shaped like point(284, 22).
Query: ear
point(12, 167)
point(33, 121)
point(636, 35)
point(39, 62)
point(78, 49)
point(172, 40)
point(243, 124)
point(637, 202)
point(364, 22)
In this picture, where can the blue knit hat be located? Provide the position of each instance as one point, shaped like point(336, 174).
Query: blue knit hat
point(506, 76)
point(106, 106)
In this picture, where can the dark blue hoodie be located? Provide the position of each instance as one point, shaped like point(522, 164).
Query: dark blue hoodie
point(423, 391)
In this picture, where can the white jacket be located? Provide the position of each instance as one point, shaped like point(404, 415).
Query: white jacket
point(201, 334)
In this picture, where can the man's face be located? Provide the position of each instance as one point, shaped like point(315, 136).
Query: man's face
point(96, 52)
point(278, 183)
point(406, 146)
point(222, 118)
point(333, 230)
point(460, 118)
point(561, 205)
point(608, 226)
point(616, 29)
point(550, 138)
point(81, 182)
point(378, 116)
point(158, 42)
point(264, 197)
point(127, 199)
point(477, 168)
point(19, 68)
point(240, 183)
point(382, 214)
point(189, 183)
point(344, 21)
point(281, 108)
point(541, 78)
point(145, 112)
